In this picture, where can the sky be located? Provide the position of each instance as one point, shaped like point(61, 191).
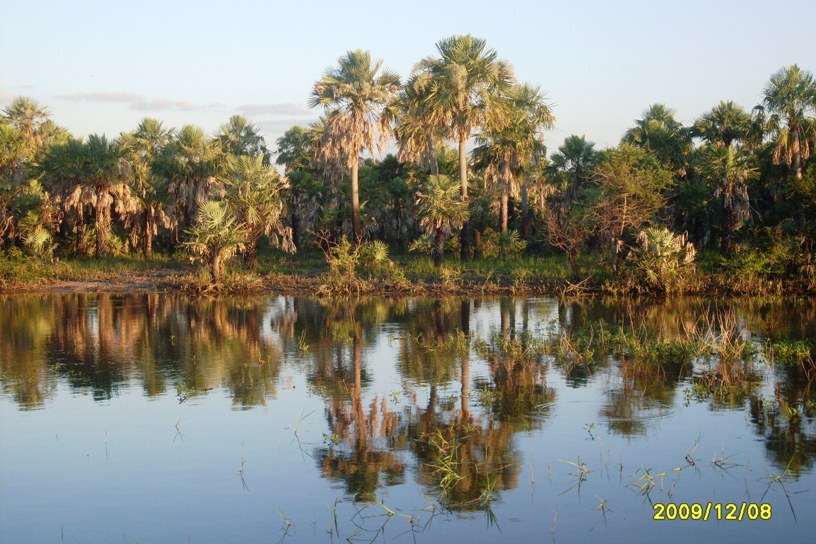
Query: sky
point(102, 66)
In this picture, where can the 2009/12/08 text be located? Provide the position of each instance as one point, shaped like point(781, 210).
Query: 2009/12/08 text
point(712, 511)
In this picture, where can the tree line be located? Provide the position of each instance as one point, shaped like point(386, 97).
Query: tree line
point(470, 175)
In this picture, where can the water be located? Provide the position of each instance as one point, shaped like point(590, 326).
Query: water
point(157, 418)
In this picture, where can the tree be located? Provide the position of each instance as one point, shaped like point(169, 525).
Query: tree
point(31, 121)
point(90, 174)
point(659, 132)
point(730, 169)
point(468, 84)
point(141, 149)
point(571, 167)
point(790, 101)
point(508, 152)
point(104, 169)
point(188, 163)
point(725, 123)
point(296, 153)
point(420, 122)
point(632, 186)
point(240, 137)
point(216, 236)
point(353, 96)
point(253, 191)
point(440, 209)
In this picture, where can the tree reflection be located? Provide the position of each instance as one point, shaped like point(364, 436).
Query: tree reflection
point(107, 342)
point(445, 398)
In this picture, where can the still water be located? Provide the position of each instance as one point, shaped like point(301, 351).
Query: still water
point(157, 418)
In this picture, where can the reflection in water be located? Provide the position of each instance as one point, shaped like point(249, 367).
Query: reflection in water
point(473, 373)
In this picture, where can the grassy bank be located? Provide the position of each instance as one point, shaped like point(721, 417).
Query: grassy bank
point(351, 273)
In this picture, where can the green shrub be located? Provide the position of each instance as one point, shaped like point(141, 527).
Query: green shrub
point(663, 262)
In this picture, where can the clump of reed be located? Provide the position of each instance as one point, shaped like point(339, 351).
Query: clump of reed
point(792, 353)
point(728, 352)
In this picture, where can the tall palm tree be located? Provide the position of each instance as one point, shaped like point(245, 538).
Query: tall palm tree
point(420, 122)
point(571, 166)
point(508, 152)
point(725, 123)
point(295, 153)
point(730, 169)
point(28, 117)
point(141, 149)
point(240, 137)
point(468, 84)
point(188, 163)
point(253, 191)
point(104, 169)
point(790, 101)
point(659, 132)
point(60, 170)
point(90, 175)
point(353, 96)
point(440, 209)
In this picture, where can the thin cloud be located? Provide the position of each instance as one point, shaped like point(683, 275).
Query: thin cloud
point(102, 97)
point(288, 109)
point(139, 102)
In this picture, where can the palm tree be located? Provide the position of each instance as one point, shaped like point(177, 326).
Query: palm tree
point(253, 191)
point(240, 137)
point(572, 167)
point(141, 149)
point(60, 170)
point(725, 123)
point(440, 209)
point(353, 96)
point(790, 99)
point(188, 164)
point(295, 153)
point(28, 117)
point(90, 175)
point(730, 169)
point(467, 84)
point(216, 236)
point(508, 152)
point(420, 122)
point(659, 132)
point(104, 169)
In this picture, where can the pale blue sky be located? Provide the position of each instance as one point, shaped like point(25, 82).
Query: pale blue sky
point(101, 66)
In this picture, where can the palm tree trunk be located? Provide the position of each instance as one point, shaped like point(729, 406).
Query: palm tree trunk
point(464, 238)
point(216, 266)
point(525, 212)
point(797, 158)
point(251, 252)
point(102, 223)
point(439, 247)
point(149, 226)
point(433, 163)
point(505, 197)
point(82, 237)
point(355, 203)
point(729, 226)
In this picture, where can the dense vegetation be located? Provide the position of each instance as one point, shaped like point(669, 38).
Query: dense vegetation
point(731, 197)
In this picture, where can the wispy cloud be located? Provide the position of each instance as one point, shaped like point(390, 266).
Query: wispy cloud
point(139, 102)
point(102, 97)
point(291, 110)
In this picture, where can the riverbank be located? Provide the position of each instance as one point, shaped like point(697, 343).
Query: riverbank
point(308, 273)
